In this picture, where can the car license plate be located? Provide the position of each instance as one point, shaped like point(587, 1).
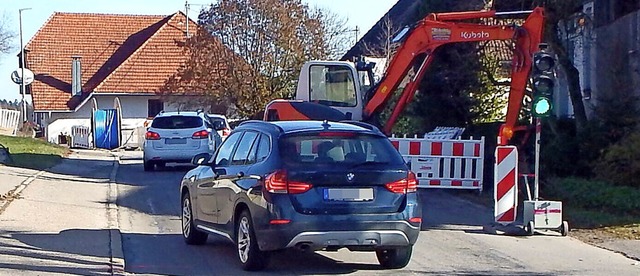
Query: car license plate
point(350, 194)
point(173, 141)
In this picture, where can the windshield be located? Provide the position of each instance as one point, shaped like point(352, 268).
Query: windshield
point(338, 149)
point(176, 122)
point(332, 85)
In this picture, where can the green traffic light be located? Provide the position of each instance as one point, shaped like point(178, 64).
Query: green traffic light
point(541, 107)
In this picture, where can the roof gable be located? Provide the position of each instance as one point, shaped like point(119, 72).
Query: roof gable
point(105, 43)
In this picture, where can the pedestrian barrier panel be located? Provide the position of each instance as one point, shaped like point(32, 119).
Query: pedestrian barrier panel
point(444, 164)
point(106, 129)
point(80, 137)
point(9, 122)
point(505, 190)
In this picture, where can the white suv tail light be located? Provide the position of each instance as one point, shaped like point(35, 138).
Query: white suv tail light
point(202, 134)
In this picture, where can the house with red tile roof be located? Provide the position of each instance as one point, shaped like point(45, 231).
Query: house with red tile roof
point(119, 58)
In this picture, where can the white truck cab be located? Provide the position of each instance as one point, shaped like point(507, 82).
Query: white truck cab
point(332, 83)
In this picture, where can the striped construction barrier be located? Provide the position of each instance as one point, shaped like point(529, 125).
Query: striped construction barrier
point(449, 164)
point(505, 189)
point(80, 137)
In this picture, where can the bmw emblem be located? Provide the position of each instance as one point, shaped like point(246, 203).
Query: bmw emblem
point(350, 177)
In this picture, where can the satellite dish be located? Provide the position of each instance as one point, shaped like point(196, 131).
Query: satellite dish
point(16, 76)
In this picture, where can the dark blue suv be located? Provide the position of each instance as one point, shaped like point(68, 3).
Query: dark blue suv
point(311, 185)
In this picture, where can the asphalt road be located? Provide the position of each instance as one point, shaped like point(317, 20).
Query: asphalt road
point(452, 241)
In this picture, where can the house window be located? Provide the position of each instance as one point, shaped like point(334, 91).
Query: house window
point(154, 107)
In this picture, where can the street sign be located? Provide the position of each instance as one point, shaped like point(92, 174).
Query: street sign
point(16, 76)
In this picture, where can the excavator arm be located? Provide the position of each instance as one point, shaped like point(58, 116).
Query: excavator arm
point(436, 30)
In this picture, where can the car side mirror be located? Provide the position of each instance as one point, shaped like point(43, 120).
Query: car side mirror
point(201, 159)
point(219, 126)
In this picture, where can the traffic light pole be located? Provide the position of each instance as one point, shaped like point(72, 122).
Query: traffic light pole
point(537, 159)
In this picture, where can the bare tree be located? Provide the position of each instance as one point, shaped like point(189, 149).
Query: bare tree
point(336, 39)
point(383, 46)
point(6, 36)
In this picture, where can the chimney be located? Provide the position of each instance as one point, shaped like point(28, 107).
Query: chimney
point(76, 76)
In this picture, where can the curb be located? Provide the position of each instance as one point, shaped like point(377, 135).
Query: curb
point(18, 189)
point(116, 252)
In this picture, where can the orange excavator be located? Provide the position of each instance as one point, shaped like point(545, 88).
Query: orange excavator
point(338, 90)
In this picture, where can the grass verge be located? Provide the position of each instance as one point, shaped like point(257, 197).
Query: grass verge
point(33, 153)
point(598, 209)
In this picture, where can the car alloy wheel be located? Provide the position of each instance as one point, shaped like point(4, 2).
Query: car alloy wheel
point(250, 255)
point(244, 239)
point(186, 218)
point(190, 234)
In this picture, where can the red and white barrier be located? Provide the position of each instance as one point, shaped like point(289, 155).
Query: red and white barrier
point(453, 164)
point(505, 189)
point(80, 137)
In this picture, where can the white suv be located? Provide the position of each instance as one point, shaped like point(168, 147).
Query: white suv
point(220, 124)
point(175, 137)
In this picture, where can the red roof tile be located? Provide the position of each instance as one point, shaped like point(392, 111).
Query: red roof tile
point(120, 54)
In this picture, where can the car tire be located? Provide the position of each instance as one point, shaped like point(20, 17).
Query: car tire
point(394, 258)
point(250, 256)
point(161, 166)
point(148, 166)
point(190, 233)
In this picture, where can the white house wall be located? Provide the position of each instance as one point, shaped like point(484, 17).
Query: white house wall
point(134, 114)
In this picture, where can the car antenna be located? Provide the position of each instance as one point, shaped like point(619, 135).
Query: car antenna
point(325, 124)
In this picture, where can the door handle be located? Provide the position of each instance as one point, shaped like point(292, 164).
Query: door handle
point(241, 175)
point(206, 185)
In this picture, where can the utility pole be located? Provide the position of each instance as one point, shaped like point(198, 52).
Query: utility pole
point(23, 89)
point(186, 15)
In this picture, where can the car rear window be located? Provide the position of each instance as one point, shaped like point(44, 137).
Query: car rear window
point(176, 122)
point(347, 148)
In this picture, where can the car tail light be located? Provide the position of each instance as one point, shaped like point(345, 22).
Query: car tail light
point(415, 220)
point(278, 183)
point(150, 135)
point(405, 185)
point(226, 132)
point(203, 134)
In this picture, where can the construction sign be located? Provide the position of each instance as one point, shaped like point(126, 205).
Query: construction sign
point(505, 189)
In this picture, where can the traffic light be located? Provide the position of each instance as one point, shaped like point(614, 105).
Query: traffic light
point(543, 82)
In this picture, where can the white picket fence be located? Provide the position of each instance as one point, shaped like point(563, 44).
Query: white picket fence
point(9, 122)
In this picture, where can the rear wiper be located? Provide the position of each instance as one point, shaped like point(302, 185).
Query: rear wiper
point(368, 163)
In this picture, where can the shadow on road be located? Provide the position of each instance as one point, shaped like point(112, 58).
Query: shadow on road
point(444, 208)
point(73, 251)
point(168, 254)
point(35, 161)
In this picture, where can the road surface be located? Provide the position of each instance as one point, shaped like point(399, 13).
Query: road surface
point(452, 241)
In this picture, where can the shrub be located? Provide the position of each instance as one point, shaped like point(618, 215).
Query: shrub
point(594, 195)
point(620, 162)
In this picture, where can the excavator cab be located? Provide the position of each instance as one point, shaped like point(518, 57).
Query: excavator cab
point(335, 84)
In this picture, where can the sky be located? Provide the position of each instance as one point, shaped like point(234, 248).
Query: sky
point(361, 13)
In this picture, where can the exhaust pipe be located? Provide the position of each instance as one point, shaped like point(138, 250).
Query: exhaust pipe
point(303, 246)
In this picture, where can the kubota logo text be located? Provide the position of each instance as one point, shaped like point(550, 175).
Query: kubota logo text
point(472, 35)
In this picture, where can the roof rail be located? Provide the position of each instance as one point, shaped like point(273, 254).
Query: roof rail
point(262, 123)
point(362, 125)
